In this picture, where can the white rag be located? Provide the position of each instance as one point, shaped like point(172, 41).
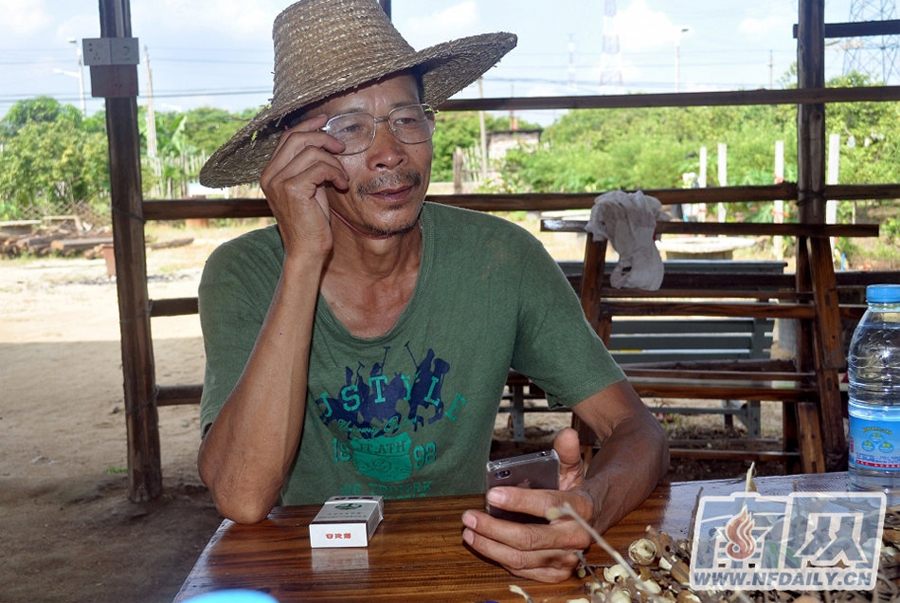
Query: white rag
point(628, 221)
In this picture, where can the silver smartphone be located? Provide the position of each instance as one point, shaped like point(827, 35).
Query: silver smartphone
point(536, 470)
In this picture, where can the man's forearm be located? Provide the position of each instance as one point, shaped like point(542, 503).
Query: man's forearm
point(248, 450)
point(633, 454)
point(625, 470)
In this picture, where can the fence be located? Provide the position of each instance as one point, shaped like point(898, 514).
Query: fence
point(92, 215)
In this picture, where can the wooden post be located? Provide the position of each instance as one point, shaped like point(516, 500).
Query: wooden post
point(141, 420)
point(591, 292)
point(811, 116)
point(811, 202)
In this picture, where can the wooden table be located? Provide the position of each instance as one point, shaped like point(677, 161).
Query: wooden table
point(417, 554)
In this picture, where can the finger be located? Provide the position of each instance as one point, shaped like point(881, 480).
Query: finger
point(562, 533)
point(297, 139)
point(568, 447)
point(308, 125)
point(306, 184)
point(305, 147)
point(571, 465)
point(539, 502)
point(522, 500)
point(310, 163)
point(526, 500)
point(546, 565)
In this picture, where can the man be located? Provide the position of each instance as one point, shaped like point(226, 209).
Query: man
point(362, 346)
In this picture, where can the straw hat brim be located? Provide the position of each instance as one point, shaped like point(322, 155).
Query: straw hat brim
point(445, 69)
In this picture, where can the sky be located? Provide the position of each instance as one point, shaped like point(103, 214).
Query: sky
point(219, 52)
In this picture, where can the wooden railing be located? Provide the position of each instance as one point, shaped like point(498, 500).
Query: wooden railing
point(181, 209)
point(130, 212)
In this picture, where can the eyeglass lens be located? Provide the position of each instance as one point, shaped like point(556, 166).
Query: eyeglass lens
point(411, 124)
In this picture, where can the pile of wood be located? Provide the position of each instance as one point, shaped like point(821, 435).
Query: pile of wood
point(62, 237)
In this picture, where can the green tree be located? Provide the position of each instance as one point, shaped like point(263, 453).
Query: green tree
point(452, 131)
point(207, 128)
point(601, 149)
point(461, 130)
point(51, 165)
point(869, 151)
point(41, 109)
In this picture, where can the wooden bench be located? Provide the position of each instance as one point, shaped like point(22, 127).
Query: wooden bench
point(807, 384)
point(644, 341)
point(638, 340)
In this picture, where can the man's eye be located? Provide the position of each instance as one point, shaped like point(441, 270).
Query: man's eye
point(347, 129)
point(406, 121)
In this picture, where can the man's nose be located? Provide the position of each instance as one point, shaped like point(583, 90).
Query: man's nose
point(387, 150)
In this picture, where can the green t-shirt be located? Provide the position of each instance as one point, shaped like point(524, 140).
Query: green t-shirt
point(411, 413)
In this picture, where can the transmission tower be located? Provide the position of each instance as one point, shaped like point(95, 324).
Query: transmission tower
point(875, 56)
point(610, 58)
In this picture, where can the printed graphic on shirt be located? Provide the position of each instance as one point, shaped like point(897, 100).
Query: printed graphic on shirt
point(375, 412)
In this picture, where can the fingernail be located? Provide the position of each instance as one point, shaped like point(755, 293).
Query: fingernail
point(468, 537)
point(469, 520)
point(496, 496)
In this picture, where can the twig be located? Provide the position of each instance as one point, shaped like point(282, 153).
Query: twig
point(518, 591)
point(750, 485)
point(566, 509)
point(587, 566)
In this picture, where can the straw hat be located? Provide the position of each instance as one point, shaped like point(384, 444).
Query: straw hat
point(324, 47)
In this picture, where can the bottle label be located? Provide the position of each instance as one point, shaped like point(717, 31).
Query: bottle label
point(874, 444)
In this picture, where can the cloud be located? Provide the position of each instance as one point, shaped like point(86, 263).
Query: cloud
point(234, 19)
point(641, 28)
point(770, 22)
point(753, 26)
point(22, 19)
point(455, 21)
point(78, 27)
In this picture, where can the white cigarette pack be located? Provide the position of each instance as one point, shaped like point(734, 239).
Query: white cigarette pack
point(346, 521)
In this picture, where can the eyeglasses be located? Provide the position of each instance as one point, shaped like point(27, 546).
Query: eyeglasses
point(411, 124)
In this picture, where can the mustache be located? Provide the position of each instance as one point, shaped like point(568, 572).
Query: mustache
point(401, 179)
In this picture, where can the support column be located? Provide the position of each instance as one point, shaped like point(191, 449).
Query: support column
point(826, 346)
point(141, 419)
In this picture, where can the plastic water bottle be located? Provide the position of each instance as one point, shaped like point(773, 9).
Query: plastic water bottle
point(874, 373)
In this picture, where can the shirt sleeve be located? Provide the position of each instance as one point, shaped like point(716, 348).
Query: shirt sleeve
point(235, 292)
point(555, 345)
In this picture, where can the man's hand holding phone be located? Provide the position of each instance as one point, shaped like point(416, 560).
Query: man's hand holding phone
point(539, 551)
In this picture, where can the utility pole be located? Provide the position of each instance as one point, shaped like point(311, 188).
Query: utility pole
point(79, 75)
point(771, 70)
point(679, 32)
point(484, 151)
point(151, 114)
point(571, 64)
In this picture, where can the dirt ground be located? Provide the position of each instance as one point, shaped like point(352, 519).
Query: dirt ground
point(67, 530)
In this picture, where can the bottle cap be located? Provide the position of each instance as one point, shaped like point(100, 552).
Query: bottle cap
point(883, 294)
